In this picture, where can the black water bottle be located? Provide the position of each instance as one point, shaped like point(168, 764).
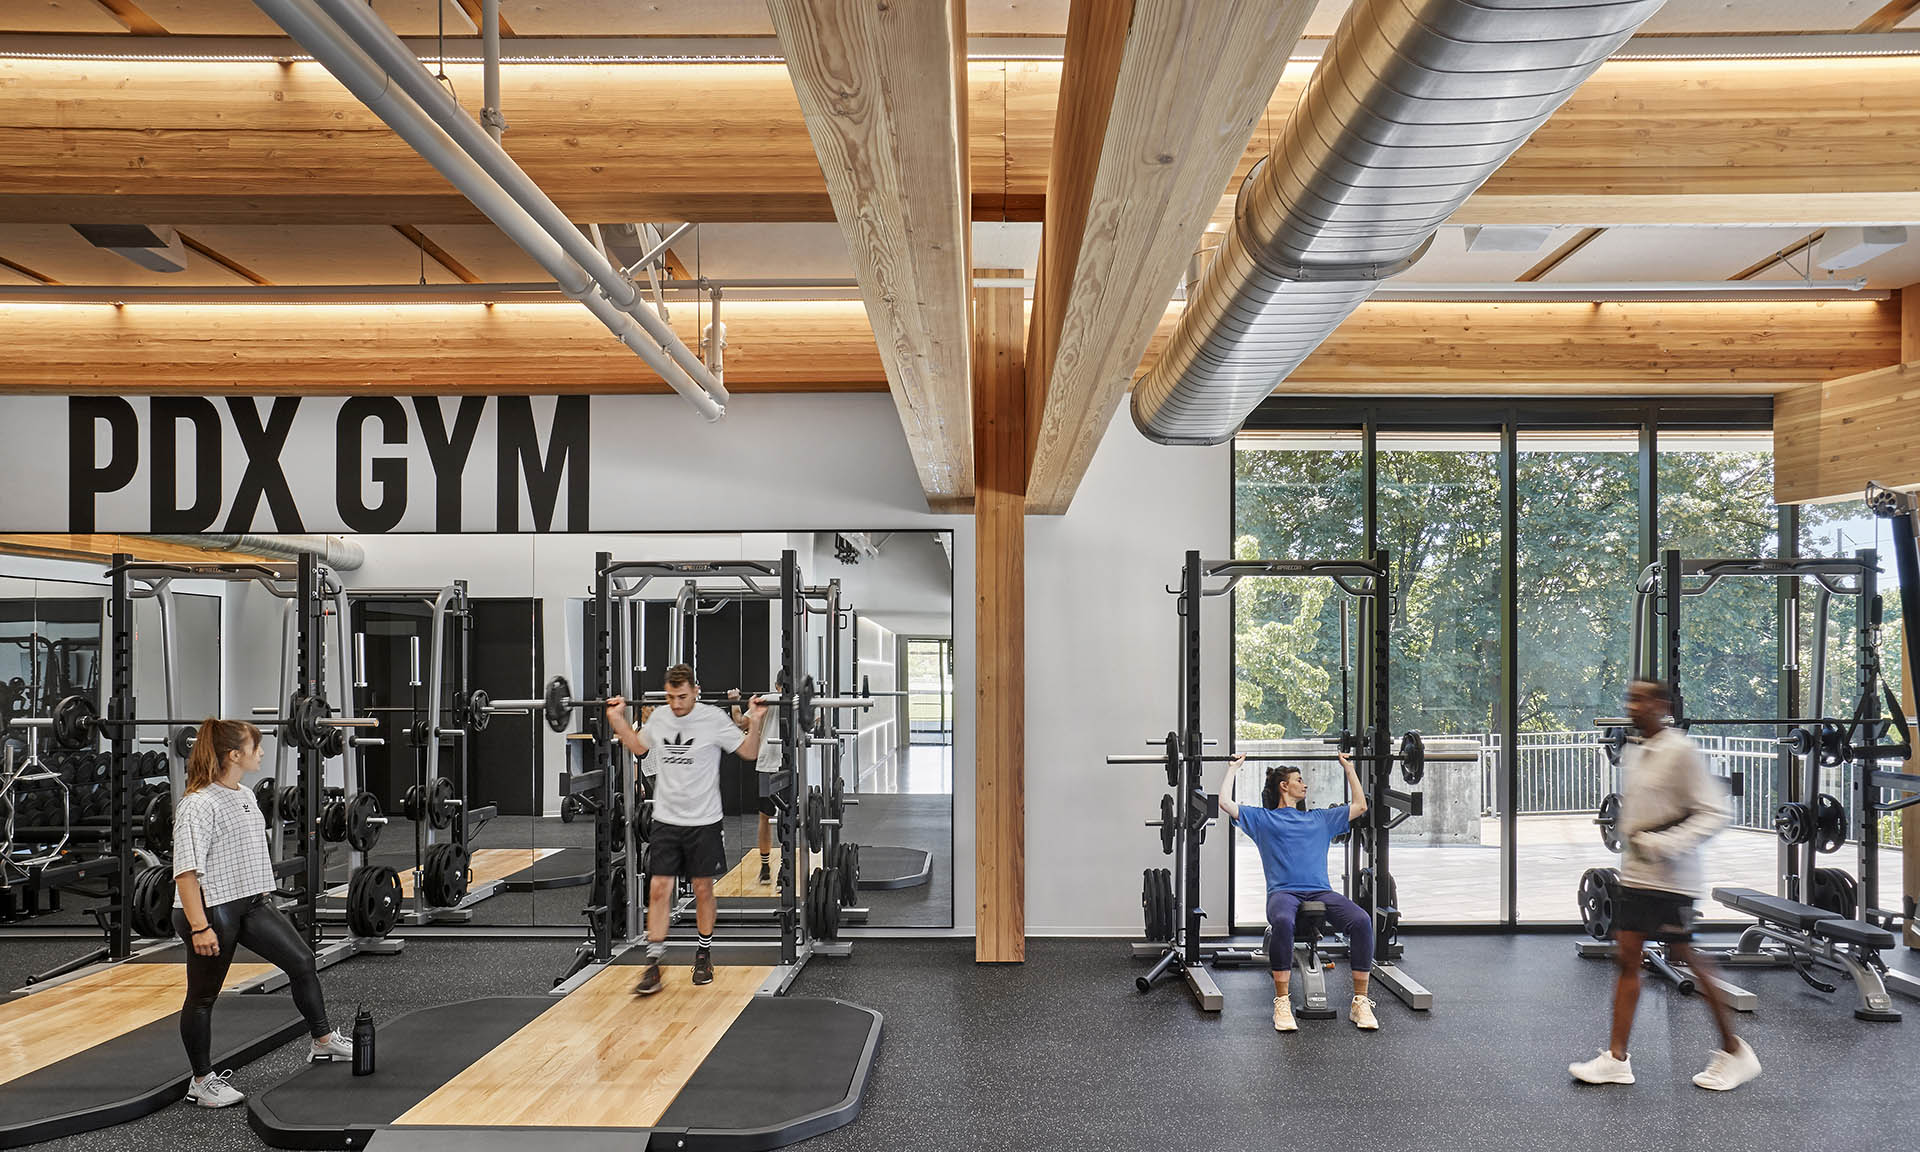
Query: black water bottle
point(363, 1043)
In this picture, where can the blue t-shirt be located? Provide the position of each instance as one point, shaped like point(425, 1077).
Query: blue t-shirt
point(1293, 844)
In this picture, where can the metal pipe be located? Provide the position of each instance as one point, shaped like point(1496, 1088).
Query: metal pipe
point(366, 80)
point(377, 40)
point(1415, 104)
point(653, 253)
point(716, 339)
point(490, 116)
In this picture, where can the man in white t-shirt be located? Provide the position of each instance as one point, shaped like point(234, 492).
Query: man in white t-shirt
point(682, 743)
point(768, 763)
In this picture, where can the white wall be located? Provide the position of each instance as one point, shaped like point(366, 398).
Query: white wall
point(1102, 654)
point(908, 588)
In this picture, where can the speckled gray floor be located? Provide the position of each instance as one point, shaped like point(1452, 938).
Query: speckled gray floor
point(1061, 1052)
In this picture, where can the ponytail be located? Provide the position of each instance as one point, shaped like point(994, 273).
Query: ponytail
point(211, 745)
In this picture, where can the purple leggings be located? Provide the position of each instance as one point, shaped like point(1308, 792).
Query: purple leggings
point(1343, 916)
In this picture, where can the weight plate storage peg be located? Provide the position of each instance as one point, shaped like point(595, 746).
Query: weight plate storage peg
point(373, 901)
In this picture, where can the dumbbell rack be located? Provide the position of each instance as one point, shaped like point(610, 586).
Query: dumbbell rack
point(1186, 953)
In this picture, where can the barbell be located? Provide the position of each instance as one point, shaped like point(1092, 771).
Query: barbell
point(558, 703)
point(1412, 756)
point(76, 722)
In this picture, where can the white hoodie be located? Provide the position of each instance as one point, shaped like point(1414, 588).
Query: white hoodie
point(1671, 806)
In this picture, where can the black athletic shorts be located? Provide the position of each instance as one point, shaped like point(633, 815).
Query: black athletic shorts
point(766, 807)
point(694, 853)
point(1663, 916)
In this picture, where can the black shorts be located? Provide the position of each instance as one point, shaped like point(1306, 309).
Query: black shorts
point(766, 807)
point(695, 853)
point(1663, 916)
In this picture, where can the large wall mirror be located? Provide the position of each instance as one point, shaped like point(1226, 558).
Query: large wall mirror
point(480, 825)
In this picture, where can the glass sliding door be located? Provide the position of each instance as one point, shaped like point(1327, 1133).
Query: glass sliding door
point(1578, 553)
point(1440, 524)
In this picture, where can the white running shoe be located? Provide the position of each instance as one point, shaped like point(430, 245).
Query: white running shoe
point(213, 1091)
point(1728, 1070)
point(1604, 1069)
point(1283, 1015)
point(333, 1046)
point(1361, 1013)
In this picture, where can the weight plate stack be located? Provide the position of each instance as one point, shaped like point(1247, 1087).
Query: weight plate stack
point(333, 819)
point(1833, 889)
point(440, 806)
point(373, 901)
point(830, 903)
point(617, 904)
point(362, 829)
point(1167, 824)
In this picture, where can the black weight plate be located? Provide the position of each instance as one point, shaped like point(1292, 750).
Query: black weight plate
point(1830, 823)
point(333, 819)
point(1609, 821)
point(1167, 924)
point(1413, 757)
point(1173, 759)
point(411, 805)
point(617, 904)
point(569, 808)
point(362, 832)
point(1167, 824)
point(556, 704)
point(373, 901)
point(440, 807)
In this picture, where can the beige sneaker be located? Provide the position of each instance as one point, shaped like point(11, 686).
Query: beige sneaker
point(1283, 1015)
point(1361, 1013)
point(1729, 1070)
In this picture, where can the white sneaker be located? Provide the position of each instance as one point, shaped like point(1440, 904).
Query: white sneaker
point(1361, 1013)
point(213, 1091)
point(1604, 1069)
point(1283, 1015)
point(332, 1047)
point(1729, 1070)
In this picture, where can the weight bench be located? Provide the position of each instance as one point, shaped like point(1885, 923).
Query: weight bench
point(1309, 984)
point(1805, 935)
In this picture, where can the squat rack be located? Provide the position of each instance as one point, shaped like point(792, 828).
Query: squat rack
point(1367, 582)
point(610, 781)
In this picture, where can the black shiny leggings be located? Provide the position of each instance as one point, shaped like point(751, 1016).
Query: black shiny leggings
point(252, 921)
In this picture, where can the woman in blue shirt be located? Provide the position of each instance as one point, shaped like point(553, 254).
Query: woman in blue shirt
point(1293, 843)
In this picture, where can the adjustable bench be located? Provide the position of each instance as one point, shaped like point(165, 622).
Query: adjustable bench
point(1309, 983)
point(1806, 934)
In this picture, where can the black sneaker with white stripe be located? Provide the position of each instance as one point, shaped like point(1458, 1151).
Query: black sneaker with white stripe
point(703, 966)
point(649, 981)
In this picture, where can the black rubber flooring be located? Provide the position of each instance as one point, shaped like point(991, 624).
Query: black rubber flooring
point(137, 1072)
point(1061, 1052)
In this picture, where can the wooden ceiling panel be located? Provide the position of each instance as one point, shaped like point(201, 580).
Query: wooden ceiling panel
point(242, 18)
point(58, 16)
point(322, 254)
point(58, 251)
point(1384, 348)
point(486, 252)
point(335, 349)
point(742, 17)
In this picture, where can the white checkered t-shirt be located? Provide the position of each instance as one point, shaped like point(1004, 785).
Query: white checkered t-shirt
point(217, 832)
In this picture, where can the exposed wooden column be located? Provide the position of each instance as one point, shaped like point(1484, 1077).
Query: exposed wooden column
point(1830, 439)
point(1000, 622)
point(880, 84)
point(1158, 101)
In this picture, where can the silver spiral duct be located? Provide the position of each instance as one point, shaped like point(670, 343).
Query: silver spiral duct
point(1415, 103)
point(336, 552)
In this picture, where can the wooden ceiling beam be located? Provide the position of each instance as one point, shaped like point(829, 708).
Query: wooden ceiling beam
point(436, 253)
point(225, 261)
point(1384, 348)
point(132, 17)
point(1779, 142)
point(1158, 103)
point(1889, 17)
point(880, 87)
point(103, 546)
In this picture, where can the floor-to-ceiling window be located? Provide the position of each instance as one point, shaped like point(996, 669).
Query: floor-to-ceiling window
point(1577, 554)
point(1444, 663)
point(1590, 508)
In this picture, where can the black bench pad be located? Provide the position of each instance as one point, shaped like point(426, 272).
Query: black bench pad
point(1803, 917)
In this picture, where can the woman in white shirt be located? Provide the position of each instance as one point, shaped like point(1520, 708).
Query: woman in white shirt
point(224, 878)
